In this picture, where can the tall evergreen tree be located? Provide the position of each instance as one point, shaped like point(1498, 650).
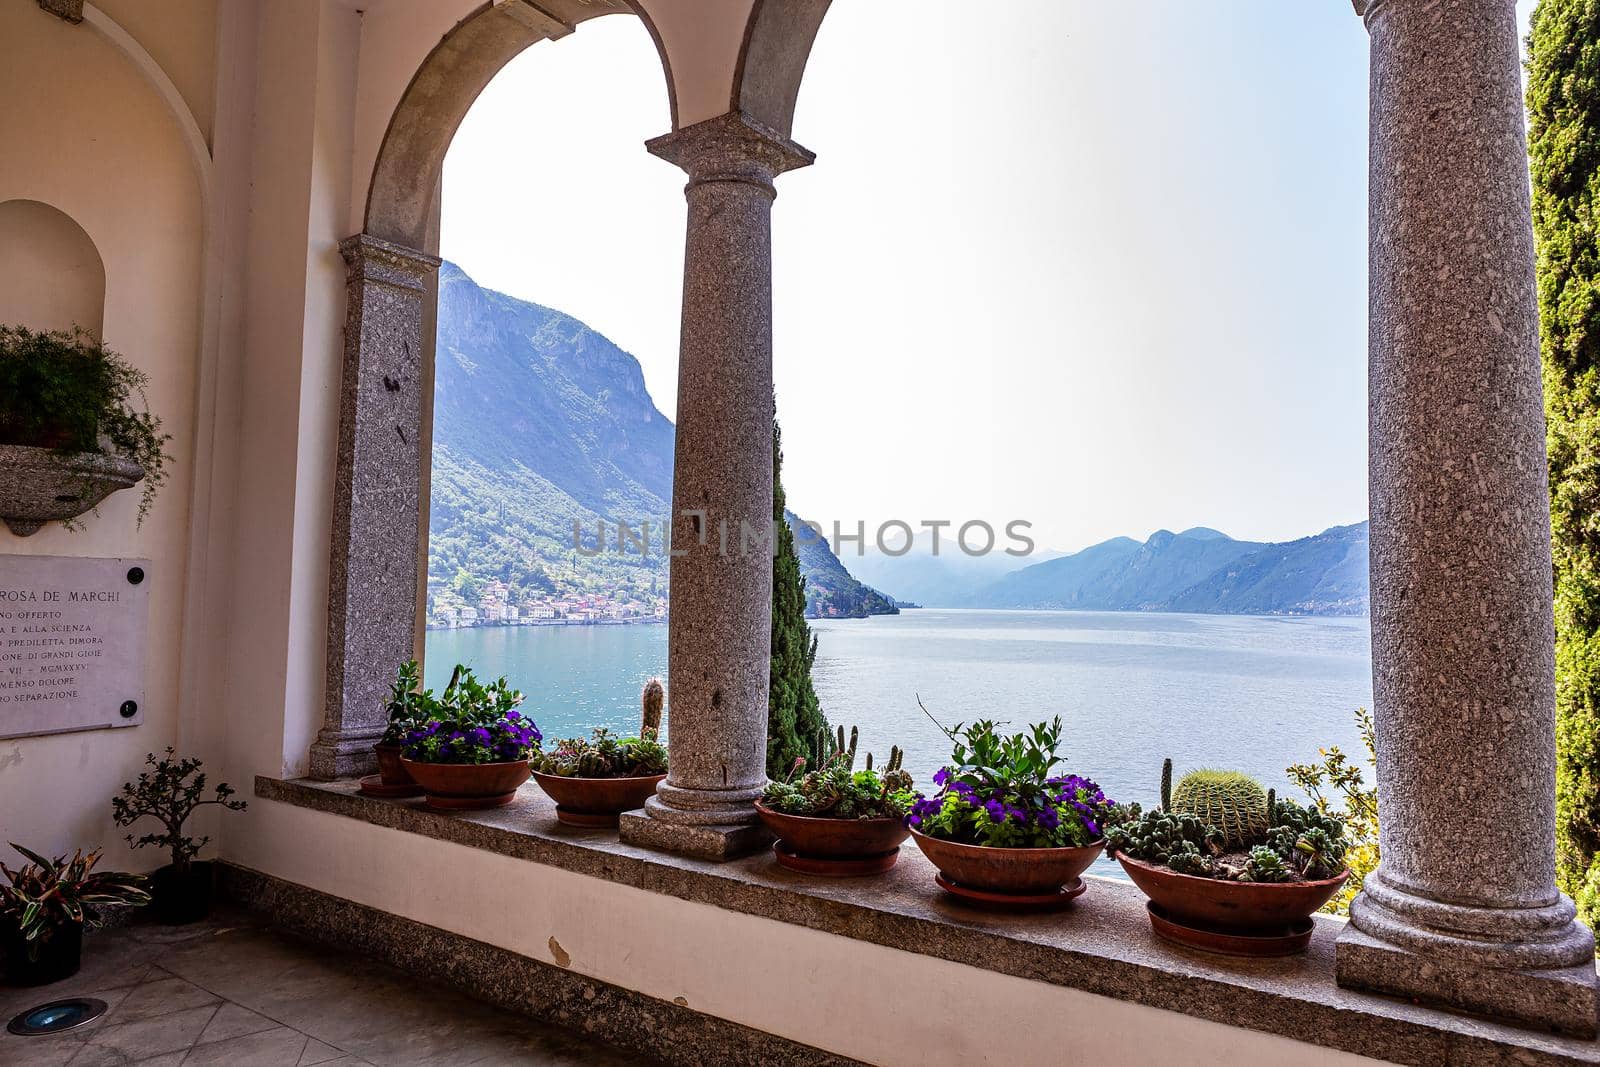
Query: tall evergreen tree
point(794, 718)
point(1564, 142)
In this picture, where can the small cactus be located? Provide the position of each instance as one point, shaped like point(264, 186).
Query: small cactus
point(1166, 784)
point(1272, 808)
point(1232, 802)
point(651, 701)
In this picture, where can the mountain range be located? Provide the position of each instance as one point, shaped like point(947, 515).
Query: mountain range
point(1199, 570)
point(541, 422)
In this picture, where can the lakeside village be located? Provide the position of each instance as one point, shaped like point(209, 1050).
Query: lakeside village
point(449, 610)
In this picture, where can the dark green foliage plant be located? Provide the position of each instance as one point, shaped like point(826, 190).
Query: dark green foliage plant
point(1232, 802)
point(603, 755)
point(409, 704)
point(68, 392)
point(169, 792)
point(1564, 143)
point(794, 716)
point(44, 895)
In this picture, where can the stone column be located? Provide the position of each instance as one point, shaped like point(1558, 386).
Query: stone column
point(719, 643)
point(1463, 910)
point(372, 572)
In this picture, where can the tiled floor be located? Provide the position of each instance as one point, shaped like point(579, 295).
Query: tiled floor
point(232, 993)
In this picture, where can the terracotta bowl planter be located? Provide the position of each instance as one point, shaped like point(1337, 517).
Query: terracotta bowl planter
point(1234, 918)
point(1021, 872)
point(596, 802)
point(839, 847)
point(391, 767)
point(467, 786)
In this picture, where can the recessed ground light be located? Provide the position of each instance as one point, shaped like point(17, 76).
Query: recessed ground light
point(56, 1016)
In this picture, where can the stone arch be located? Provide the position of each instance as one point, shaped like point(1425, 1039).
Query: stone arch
point(51, 273)
point(401, 199)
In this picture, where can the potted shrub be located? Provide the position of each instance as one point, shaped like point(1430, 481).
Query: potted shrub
point(45, 905)
point(472, 752)
point(170, 792)
point(837, 820)
point(70, 432)
point(594, 780)
point(1230, 868)
point(1004, 828)
point(409, 707)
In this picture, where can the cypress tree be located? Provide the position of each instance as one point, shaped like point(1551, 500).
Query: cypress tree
point(794, 718)
point(1564, 143)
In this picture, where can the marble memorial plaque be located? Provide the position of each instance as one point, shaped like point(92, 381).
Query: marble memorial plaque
point(72, 643)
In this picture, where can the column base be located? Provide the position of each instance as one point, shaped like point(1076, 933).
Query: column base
point(343, 757)
point(1564, 1000)
point(718, 843)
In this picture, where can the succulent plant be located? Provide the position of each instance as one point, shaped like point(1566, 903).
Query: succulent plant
point(1318, 855)
point(836, 790)
point(1166, 784)
point(1266, 866)
point(1192, 863)
point(1232, 802)
point(603, 755)
point(651, 701)
point(1160, 835)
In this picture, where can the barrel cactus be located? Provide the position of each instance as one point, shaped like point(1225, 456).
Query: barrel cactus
point(1232, 802)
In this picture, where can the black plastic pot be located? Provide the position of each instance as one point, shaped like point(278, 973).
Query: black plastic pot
point(179, 898)
point(54, 960)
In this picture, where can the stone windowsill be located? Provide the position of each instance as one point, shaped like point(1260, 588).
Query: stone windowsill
point(1102, 944)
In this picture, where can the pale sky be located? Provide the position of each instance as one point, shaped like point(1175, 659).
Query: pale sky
point(1100, 267)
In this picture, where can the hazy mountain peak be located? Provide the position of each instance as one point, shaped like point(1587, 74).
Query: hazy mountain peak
point(1205, 533)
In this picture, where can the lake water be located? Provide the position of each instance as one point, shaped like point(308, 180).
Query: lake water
point(1249, 693)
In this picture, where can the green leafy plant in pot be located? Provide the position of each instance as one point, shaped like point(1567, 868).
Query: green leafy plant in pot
point(837, 820)
point(409, 707)
point(45, 905)
point(1005, 829)
point(169, 792)
point(75, 426)
point(594, 780)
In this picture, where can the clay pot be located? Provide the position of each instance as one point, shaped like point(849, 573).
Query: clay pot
point(810, 837)
point(182, 897)
point(391, 768)
point(467, 786)
point(1237, 906)
point(1015, 871)
point(54, 960)
point(596, 802)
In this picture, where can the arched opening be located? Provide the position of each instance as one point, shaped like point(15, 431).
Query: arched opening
point(51, 274)
point(382, 485)
point(555, 383)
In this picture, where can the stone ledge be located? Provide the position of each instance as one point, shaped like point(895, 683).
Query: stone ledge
point(1102, 945)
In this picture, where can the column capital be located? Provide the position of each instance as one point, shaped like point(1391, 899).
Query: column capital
point(375, 259)
point(730, 148)
point(1367, 10)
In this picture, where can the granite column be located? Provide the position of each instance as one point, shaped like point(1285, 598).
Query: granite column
point(1463, 910)
point(719, 639)
point(372, 571)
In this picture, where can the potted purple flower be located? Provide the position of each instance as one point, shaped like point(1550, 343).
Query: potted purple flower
point(1004, 829)
point(472, 750)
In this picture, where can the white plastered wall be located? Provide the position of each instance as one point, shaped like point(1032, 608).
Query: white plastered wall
point(83, 131)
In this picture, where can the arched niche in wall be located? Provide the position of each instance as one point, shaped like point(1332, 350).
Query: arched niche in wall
point(51, 274)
